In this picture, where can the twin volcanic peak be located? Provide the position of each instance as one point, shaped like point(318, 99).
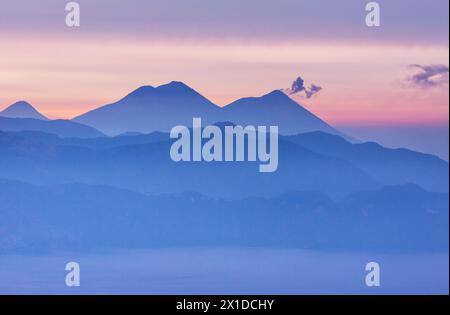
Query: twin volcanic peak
point(22, 109)
point(149, 109)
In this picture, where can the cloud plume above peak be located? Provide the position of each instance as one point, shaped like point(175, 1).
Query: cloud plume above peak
point(428, 76)
point(298, 87)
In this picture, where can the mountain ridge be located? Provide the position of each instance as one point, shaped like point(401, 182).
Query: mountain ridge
point(304, 220)
point(22, 109)
point(60, 127)
point(148, 109)
point(276, 108)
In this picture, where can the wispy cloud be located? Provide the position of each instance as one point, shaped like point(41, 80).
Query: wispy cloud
point(428, 76)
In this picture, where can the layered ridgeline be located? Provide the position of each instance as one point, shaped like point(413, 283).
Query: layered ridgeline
point(76, 217)
point(81, 190)
point(150, 109)
point(126, 192)
point(309, 162)
point(22, 116)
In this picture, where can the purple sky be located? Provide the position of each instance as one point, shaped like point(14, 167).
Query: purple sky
point(410, 21)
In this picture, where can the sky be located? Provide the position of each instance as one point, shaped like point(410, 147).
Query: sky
point(393, 75)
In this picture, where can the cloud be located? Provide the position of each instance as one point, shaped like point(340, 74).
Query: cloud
point(298, 87)
point(313, 89)
point(428, 76)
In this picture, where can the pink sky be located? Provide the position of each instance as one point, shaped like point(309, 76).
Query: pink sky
point(361, 83)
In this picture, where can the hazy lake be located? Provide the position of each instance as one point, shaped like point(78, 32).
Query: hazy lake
point(225, 271)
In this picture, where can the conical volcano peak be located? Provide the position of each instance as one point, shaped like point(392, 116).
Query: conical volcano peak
point(21, 104)
point(22, 109)
point(276, 94)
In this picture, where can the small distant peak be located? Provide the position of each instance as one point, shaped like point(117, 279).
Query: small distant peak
point(22, 109)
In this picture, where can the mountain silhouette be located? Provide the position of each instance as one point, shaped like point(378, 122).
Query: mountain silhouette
point(22, 109)
point(390, 166)
point(79, 217)
point(143, 164)
point(66, 186)
point(149, 109)
point(62, 128)
point(275, 109)
point(315, 161)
